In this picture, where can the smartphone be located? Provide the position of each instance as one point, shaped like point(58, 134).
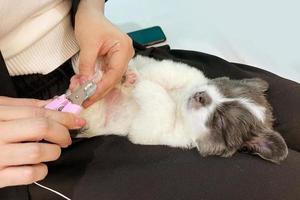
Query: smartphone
point(148, 36)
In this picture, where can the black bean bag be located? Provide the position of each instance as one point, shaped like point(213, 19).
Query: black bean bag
point(112, 168)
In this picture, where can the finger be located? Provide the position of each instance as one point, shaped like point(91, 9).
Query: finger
point(87, 60)
point(21, 102)
point(34, 129)
point(108, 81)
point(22, 175)
point(28, 153)
point(119, 57)
point(74, 82)
point(117, 66)
point(108, 46)
point(69, 120)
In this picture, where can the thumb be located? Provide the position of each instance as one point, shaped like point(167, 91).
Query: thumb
point(87, 60)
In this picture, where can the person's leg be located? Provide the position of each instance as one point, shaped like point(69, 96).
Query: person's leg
point(6, 87)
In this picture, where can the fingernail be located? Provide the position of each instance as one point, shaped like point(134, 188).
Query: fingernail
point(70, 142)
point(80, 122)
point(83, 79)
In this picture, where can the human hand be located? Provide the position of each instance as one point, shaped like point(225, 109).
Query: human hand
point(99, 39)
point(23, 124)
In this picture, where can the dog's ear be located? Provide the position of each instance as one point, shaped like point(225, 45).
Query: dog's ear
point(257, 83)
point(268, 144)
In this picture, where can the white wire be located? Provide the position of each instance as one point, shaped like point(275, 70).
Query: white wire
point(51, 190)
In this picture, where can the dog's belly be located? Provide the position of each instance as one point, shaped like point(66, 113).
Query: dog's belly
point(111, 115)
point(120, 109)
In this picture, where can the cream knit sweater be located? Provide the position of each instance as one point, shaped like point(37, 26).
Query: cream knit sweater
point(36, 36)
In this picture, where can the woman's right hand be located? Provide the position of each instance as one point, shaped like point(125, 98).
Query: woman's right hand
point(24, 126)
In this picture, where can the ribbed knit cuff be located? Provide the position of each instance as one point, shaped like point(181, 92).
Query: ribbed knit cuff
point(46, 54)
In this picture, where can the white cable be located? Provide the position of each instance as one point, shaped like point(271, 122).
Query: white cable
point(51, 190)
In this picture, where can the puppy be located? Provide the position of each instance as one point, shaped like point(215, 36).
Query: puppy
point(169, 103)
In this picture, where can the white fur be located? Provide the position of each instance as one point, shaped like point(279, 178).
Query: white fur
point(150, 111)
point(155, 109)
point(256, 110)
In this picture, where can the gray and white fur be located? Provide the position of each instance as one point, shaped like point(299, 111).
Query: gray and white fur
point(170, 103)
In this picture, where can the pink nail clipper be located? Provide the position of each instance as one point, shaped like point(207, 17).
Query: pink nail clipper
point(72, 101)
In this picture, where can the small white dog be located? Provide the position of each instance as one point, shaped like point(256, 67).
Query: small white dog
point(169, 103)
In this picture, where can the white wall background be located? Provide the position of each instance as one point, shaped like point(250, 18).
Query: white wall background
point(263, 33)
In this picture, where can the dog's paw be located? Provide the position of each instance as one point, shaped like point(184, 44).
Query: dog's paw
point(129, 78)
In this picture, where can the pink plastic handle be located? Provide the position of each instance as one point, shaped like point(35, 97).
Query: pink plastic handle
point(61, 103)
point(72, 108)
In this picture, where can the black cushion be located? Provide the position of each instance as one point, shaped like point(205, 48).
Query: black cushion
point(113, 168)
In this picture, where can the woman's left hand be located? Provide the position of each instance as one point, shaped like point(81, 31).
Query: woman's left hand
point(100, 39)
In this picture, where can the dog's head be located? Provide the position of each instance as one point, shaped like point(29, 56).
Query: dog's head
point(225, 116)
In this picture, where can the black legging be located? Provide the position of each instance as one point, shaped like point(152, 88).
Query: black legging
point(40, 86)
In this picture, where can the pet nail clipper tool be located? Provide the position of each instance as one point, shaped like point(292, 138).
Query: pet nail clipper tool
point(72, 101)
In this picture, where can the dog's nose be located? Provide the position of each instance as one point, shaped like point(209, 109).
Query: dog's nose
point(202, 98)
point(199, 97)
